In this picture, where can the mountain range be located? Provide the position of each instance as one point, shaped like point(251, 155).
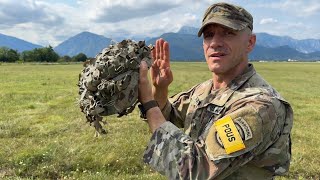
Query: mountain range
point(88, 43)
point(16, 44)
point(273, 41)
point(184, 46)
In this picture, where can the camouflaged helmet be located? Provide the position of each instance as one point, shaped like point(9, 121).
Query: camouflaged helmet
point(108, 84)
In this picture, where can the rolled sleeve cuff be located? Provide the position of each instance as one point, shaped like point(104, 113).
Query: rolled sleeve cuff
point(166, 110)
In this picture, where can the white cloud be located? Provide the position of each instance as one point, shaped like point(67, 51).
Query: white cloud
point(116, 11)
point(296, 30)
point(53, 21)
point(312, 9)
point(268, 21)
point(41, 22)
point(144, 18)
point(145, 27)
point(301, 8)
point(16, 12)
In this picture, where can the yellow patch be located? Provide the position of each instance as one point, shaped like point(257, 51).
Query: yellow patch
point(229, 135)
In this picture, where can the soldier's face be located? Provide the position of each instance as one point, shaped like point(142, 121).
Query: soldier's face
point(225, 49)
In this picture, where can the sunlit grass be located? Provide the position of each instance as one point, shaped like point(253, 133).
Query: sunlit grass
point(43, 134)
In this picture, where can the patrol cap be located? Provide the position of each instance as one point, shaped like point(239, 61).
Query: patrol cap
point(229, 15)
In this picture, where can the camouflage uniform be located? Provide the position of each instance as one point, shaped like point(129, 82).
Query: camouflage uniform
point(262, 118)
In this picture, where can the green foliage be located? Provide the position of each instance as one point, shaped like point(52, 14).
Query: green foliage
point(79, 57)
point(65, 58)
point(43, 135)
point(46, 54)
point(8, 55)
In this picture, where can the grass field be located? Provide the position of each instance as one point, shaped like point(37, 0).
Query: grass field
point(43, 134)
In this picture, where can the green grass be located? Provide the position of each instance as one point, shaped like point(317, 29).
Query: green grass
point(44, 135)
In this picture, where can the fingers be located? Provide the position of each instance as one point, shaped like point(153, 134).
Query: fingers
point(144, 90)
point(161, 51)
point(160, 70)
point(143, 71)
point(161, 48)
point(154, 70)
point(158, 52)
point(154, 53)
point(166, 54)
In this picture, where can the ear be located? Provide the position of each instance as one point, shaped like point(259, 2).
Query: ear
point(252, 42)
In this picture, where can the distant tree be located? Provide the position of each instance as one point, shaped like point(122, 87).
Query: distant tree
point(13, 55)
point(27, 56)
point(79, 57)
point(65, 58)
point(46, 54)
point(8, 55)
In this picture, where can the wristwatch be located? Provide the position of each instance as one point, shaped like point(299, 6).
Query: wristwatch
point(146, 106)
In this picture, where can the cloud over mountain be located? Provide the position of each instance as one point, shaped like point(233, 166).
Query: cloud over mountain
point(17, 12)
point(50, 22)
point(116, 11)
point(268, 21)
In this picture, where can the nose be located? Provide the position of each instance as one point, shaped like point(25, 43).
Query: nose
point(216, 41)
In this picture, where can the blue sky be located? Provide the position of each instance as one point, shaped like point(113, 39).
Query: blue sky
point(49, 22)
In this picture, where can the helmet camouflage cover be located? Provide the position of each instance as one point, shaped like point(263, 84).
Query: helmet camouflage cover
point(108, 84)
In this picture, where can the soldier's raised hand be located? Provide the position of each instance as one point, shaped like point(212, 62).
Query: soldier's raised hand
point(161, 74)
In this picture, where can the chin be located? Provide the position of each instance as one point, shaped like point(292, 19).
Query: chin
point(215, 68)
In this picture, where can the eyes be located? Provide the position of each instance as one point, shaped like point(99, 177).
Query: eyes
point(226, 33)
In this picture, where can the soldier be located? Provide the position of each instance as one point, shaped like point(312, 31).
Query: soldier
point(235, 125)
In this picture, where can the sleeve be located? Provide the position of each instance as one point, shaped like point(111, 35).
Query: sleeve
point(176, 155)
point(257, 125)
point(177, 106)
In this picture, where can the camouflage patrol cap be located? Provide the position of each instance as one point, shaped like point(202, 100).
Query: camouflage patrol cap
point(108, 84)
point(229, 15)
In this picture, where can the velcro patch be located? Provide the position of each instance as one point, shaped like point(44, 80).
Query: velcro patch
point(229, 135)
point(215, 109)
point(244, 128)
point(245, 122)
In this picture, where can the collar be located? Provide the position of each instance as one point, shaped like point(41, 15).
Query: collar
point(221, 96)
point(242, 78)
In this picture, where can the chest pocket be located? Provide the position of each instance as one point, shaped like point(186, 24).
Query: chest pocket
point(205, 112)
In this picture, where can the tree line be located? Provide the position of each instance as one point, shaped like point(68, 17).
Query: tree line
point(45, 54)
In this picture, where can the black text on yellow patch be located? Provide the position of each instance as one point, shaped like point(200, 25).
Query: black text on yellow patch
point(229, 135)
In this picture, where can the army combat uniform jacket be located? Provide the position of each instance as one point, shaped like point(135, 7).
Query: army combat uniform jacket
point(243, 129)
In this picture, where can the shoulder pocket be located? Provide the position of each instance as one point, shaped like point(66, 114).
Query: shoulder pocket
point(234, 134)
